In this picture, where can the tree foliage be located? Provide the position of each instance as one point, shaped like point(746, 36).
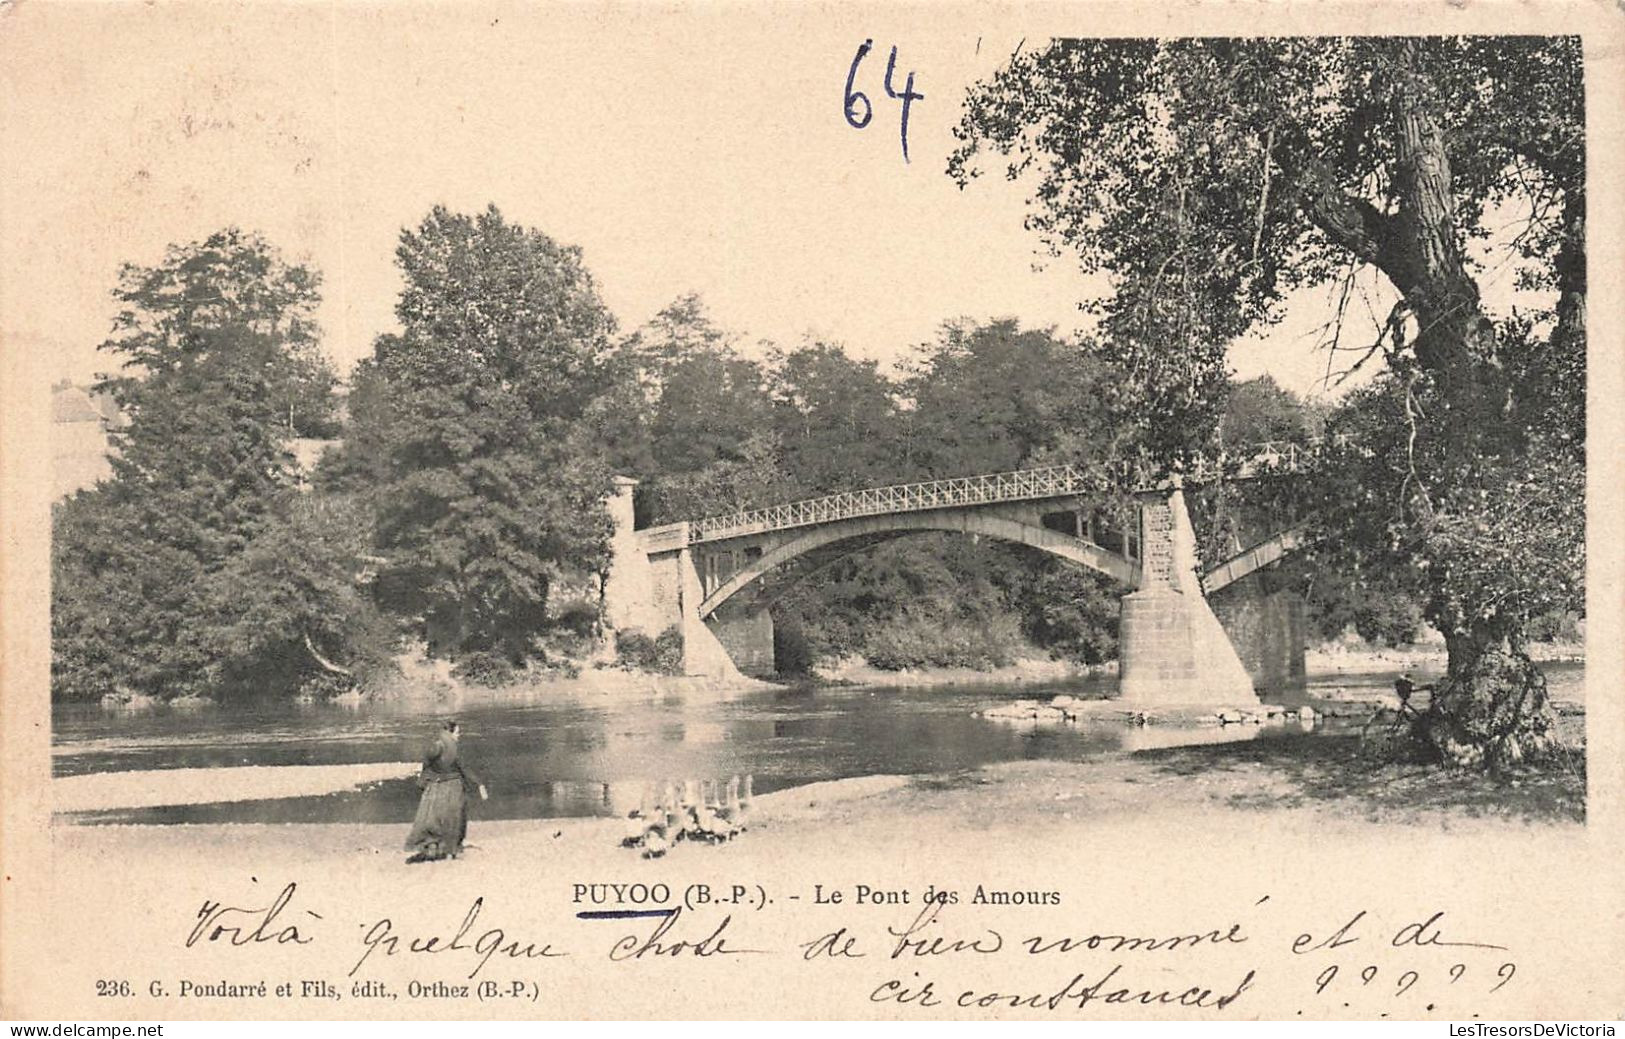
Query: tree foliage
point(482, 433)
point(1210, 177)
point(293, 609)
point(489, 484)
point(995, 397)
point(152, 569)
point(174, 315)
point(836, 419)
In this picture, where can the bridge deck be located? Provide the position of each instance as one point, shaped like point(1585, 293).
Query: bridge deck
point(1023, 485)
point(1056, 481)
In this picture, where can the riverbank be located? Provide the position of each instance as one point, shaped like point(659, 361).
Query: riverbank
point(1340, 657)
point(431, 686)
point(859, 672)
point(1313, 788)
point(593, 683)
point(157, 788)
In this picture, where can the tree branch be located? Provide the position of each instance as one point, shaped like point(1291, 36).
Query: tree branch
point(1354, 223)
point(1264, 193)
point(1558, 165)
point(327, 665)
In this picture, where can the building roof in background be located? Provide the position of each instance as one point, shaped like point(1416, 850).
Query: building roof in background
point(73, 404)
point(70, 403)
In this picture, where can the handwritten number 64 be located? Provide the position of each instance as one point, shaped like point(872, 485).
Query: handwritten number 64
point(853, 97)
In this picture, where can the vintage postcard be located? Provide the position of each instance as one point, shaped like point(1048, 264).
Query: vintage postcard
point(1089, 511)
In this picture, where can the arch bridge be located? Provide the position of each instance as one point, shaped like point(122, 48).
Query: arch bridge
point(713, 578)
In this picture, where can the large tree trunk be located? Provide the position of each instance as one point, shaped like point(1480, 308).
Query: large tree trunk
point(1455, 341)
point(1571, 277)
point(1491, 710)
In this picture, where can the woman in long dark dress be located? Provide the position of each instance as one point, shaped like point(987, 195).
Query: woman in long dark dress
point(442, 819)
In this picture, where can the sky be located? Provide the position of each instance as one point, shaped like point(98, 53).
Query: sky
point(699, 149)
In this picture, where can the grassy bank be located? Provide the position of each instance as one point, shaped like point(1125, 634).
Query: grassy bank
point(1341, 657)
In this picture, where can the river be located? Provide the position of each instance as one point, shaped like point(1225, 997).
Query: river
point(585, 757)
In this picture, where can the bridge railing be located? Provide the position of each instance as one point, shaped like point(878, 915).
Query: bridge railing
point(1054, 481)
point(1269, 456)
point(1019, 485)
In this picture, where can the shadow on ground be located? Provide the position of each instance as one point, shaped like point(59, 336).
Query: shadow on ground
point(1330, 770)
point(960, 779)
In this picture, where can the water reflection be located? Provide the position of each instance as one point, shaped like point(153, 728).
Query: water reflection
point(580, 758)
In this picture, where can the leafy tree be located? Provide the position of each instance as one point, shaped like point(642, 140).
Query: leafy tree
point(836, 419)
point(712, 402)
point(173, 314)
point(215, 341)
point(710, 444)
point(995, 397)
point(753, 479)
point(360, 463)
point(291, 610)
point(479, 413)
point(619, 419)
point(682, 330)
point(122, 604)
point(1259, 411)
point(1211, 176)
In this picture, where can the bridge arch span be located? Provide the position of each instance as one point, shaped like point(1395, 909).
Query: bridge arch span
point(984, 522)
point(1265, 553)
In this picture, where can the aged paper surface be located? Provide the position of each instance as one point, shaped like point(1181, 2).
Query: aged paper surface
point(329, 128)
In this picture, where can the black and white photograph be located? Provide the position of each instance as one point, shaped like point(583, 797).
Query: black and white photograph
point(725, 511)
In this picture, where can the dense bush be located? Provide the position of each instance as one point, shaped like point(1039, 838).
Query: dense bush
point(920, 637)
point(662, 655)
point(792, 654)
point(484, 668)
point(1072, 612)
point(578, 617)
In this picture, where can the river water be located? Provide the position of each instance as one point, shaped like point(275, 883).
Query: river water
point(585, 757)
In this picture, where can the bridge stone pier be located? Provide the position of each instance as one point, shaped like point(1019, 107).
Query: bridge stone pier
point(1269, 628)
point(1171, 648)
point(707, 577)
point(652, 585)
